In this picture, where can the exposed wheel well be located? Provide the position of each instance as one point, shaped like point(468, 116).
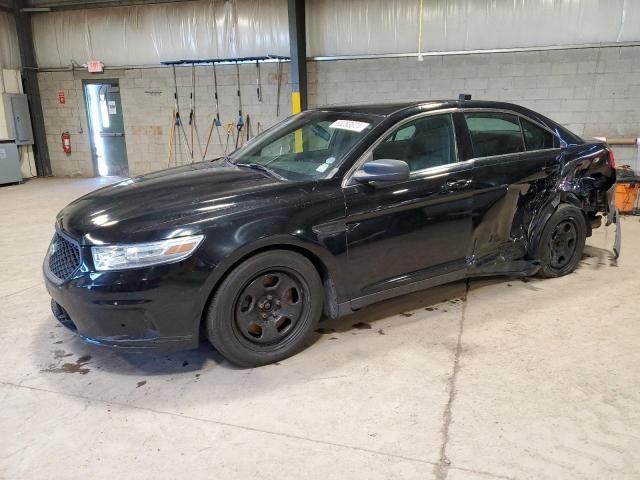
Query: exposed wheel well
point(577, 202)
point(331, 301)
point(543, 216)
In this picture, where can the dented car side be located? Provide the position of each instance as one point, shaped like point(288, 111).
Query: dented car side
point(479, 216)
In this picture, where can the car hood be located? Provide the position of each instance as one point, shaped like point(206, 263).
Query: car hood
point(157, 203)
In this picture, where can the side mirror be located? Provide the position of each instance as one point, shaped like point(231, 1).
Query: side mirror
point(382, 171)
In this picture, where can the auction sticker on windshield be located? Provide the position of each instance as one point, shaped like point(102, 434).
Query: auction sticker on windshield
point(349, 125)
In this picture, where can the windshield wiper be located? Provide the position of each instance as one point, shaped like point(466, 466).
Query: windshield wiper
point(225, 158)
point(262, 168)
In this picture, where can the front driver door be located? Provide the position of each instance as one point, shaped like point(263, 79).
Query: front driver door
point(403, 235)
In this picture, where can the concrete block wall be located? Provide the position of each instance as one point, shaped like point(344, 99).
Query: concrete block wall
point(594, 92)
point(148, 104)
point(69, 117)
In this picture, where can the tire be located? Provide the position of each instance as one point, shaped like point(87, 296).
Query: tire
point(561, 242)
point(266, 309)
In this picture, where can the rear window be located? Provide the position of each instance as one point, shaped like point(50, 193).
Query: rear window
point(536, 137)
point(494, 134)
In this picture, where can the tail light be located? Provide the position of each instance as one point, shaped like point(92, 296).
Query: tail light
point(612, 158)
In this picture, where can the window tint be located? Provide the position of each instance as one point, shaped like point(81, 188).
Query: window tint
point(315, 137)
point(535, 137)
point(404, 133)
point(423, 143)
point(494, 134)
point(309, 145)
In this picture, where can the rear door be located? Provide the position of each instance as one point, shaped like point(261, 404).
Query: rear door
point(514, 159)
point(399, 233)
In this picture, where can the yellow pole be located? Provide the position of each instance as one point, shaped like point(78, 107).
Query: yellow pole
point(295, 106)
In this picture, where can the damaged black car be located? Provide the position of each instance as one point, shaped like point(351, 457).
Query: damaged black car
point(325, 213)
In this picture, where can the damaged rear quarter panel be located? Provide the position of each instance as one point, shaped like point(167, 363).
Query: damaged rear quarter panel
point(515, 195)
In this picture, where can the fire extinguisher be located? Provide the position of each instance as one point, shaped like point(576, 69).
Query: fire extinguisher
point(66, 142)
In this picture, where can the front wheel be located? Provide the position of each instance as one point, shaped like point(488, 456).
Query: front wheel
point(562, 242)
point(266, 309)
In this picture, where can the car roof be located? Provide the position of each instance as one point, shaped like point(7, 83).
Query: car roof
point(387, 109)
point(400, 110)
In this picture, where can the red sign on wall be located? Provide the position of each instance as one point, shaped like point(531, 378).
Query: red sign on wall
point(95, 66)
point(61, 99)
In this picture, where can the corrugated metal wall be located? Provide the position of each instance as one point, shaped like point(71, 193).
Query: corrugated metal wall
point(360, 27)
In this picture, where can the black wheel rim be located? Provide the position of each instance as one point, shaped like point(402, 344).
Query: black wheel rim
point(269, 307)
point(562, 245)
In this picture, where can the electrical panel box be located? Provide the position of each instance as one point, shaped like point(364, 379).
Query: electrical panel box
point(9, 163)
point(16, 110)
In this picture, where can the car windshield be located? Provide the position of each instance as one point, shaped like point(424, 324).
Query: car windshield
point(307, 146)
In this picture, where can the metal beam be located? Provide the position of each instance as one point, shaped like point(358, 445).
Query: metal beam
point(31, 87)
point(298, 53)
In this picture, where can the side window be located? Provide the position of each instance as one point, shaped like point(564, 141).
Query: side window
point(404, 133)
point(423, 143)
point(535, 137)
point(494, 134)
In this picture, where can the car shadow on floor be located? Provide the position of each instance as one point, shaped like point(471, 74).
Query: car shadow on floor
point(401, 310)
point(68, 353)
point(442, 298)
point(597, 258)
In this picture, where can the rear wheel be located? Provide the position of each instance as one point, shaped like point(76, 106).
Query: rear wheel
point(266, 309)
point(562, 242)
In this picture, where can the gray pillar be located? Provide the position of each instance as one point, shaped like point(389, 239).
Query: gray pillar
point(298, 53)
point(31, 87)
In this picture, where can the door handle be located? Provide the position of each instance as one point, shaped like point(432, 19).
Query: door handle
point(454, 185)
point(108, 134)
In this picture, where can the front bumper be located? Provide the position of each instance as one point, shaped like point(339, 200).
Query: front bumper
point(135, 310)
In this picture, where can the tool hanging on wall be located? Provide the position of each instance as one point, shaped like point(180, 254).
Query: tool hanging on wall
point(247, 128)
point(258, 82)
point(240, 123)
point(278, 90)
point(230, 128)
point(172, 132)
point(191, 109)
point(177, 121)
point(194, 116)
point(216, 120)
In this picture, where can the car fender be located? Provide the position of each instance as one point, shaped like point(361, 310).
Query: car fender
point(322, 259)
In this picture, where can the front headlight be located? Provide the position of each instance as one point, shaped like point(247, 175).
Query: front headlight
point(135, 255)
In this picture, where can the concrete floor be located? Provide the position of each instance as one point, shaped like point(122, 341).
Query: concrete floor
point(505, 379)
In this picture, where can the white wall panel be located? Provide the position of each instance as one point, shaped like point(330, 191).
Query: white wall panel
point(143, 35)
point(9, 53)
point(360, 27)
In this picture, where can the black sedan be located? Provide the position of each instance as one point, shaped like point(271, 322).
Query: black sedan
point(331, 210)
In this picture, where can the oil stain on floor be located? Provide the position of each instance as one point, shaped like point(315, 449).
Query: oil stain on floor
point(361, 326)
point(76, 367)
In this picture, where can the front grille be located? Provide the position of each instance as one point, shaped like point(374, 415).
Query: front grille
point(62, 316)
point(64, 257)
